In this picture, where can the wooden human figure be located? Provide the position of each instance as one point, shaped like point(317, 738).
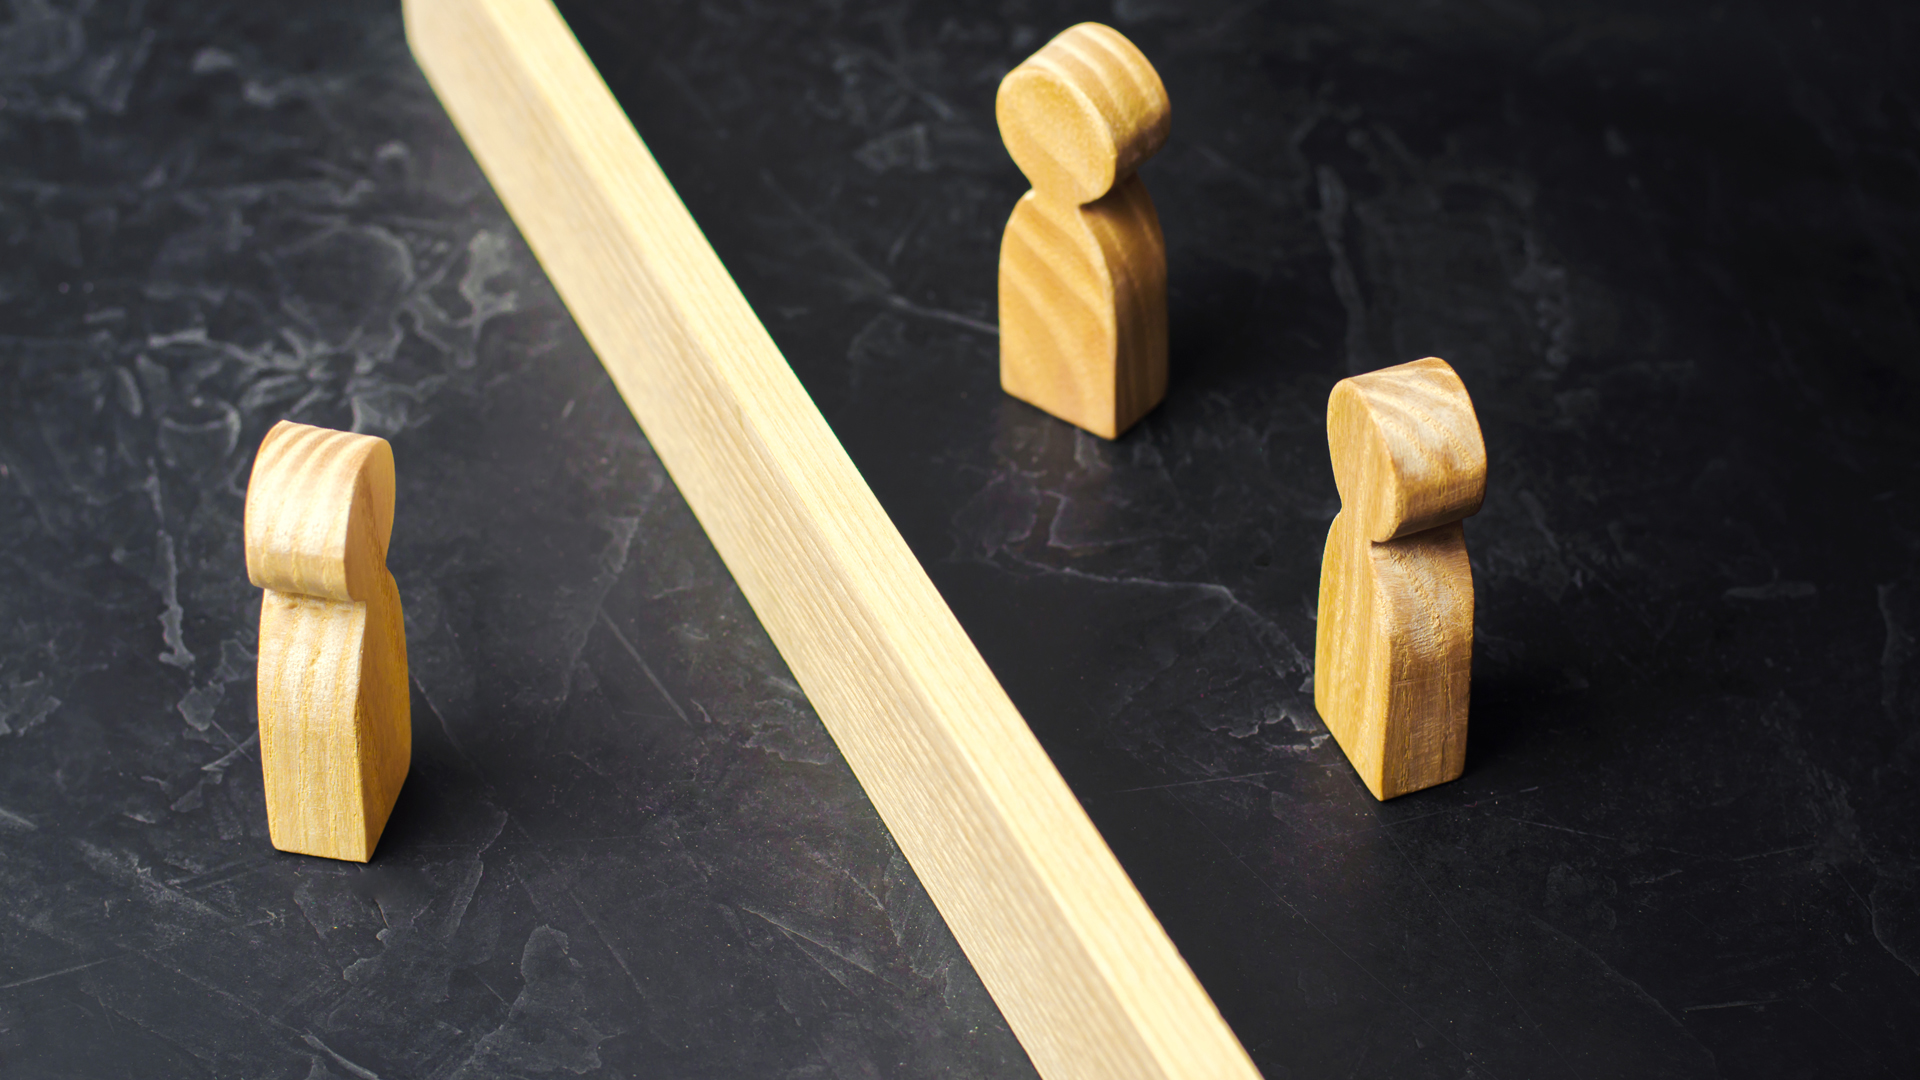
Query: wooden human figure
point(1083, 265)
point(1395, 639)
point(335, 735)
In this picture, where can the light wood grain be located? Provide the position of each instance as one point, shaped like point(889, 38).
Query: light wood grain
point(336, 737)
point(1083, 264)
point(1407, 453)
point(319, 512)
point(1083, 973)
point(1083, 312)
point(1394, 648)
point(1083, 113)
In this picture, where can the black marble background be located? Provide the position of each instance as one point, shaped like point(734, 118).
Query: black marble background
point(1672, 252)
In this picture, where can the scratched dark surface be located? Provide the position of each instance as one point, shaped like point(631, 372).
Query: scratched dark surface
point(1672, 254)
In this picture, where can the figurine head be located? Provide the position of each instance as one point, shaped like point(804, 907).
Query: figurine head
point(1080, 115)
point(319, 512)
point(1407, 451)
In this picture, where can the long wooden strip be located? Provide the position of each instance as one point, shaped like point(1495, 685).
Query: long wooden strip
point(1082, 971)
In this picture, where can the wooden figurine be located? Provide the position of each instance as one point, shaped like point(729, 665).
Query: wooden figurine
point(335, 736)
point(1083, 266)
point(1395, 641)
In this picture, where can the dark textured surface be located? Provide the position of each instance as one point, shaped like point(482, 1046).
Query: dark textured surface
point(1672, 254)
point(626, 848)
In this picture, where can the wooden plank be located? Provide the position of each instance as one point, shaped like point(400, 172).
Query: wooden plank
point(1083, 973)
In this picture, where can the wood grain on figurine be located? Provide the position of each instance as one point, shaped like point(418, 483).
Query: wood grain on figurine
point(1394, 649)
point(1083, 266)
point(335, 732)
point(319, 512)
point(1085, 976)
point(1407, 452)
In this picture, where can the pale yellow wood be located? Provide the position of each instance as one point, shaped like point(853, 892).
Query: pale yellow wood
point(336, 737)
point(1394, 648)
point(1076, 962)
point(1083, 264)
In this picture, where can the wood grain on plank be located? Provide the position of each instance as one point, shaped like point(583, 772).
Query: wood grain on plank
point(1078, 965)
point(1083, 263)
point(336, 738)
point(1394, 645)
